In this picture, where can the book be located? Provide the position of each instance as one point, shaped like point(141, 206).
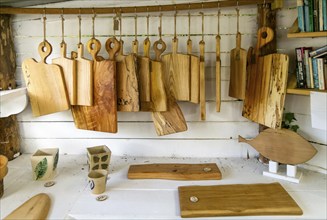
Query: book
point(306, 15)
point(300, 72)
point(315, 15)
point(311, 73)
point(318, 52)
point(300, 15)
point(325, 70)
point(310, 18)
point(320, 15)
point(324, 13)
point(306, 67)
point(315, 73)
point(320, 70)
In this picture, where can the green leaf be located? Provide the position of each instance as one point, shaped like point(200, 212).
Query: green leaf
point(55, 163)
point(294, 128)
point(289, 117)
point(41, 168)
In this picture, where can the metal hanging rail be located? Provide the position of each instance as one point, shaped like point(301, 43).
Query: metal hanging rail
point(138, 9)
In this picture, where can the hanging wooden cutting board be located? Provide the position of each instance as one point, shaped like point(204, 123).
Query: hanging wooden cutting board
point(36, 208)
point(102, 116)
point(84, 75)
point(266, 84)
point(206, 171)
point(236, 200)
point(282, 145)
point(195, 74)
point(45, 84)
point(68, 67)
point(127, 82)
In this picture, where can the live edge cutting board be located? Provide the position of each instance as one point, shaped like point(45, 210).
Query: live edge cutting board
point(236, 200)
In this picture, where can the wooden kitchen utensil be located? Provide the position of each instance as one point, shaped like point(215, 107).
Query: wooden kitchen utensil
point(236, 200)
point(45, 83)
point(202, 75)
point(84, 74)
point(218, 66)
point(68, 67)
point(172, 120)
point(127, 83)
point(266, 84)
point(194, 68)
point(237, 81)
point(36, 208)
point(177, 68)
point(282, 145)
point(102, 116)
point(205, 171)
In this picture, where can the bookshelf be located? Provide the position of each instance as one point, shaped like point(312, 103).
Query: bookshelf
point(296, 91)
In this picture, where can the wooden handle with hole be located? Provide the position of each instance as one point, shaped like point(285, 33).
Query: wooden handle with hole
point(135, 47)
point(80, 50)
point(63, 49)
point(44, 50)
point(94, 46)
point(175, 45)
point(189, 46)
point(159, 51)
point(146, 47)
point(112, 47)
point(265, 35)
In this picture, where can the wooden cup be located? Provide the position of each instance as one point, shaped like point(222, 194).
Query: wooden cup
point(98, 181)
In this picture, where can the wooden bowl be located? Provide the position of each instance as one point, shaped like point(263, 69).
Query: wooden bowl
point(3, 166)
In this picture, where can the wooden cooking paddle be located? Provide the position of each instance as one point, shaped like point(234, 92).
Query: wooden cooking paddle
point(177, 67)
point(36, 208)
point(68, 67)
point(127, 82)
point(45, 84)
point(202, 75)
point(218, 67)
point(238, 59)
point(194, 69)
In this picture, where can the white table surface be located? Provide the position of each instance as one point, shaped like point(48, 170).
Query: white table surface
point(145, 199)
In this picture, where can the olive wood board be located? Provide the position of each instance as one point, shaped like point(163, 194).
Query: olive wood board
point(236, 200)
point(171, 171)
point(36, 208)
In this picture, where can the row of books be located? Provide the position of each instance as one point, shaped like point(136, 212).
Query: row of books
point(312, 15)
point(311, 67)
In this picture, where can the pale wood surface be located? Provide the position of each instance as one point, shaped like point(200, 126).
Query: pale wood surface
point(294, 32)
point(282, 145)
point(84, 75)
point(45, 84)
point(177, 68)
point(237, 200)
point(173, 171)
point(302, 91)
point(68, 69)
point(143, 66)
point(195, 74)
point(158, 92)
point(3, 166)
point(237, 82)
point(35, 208)
point(102, 116)
point(218, 74)
point(127, 82)
point(203, 110)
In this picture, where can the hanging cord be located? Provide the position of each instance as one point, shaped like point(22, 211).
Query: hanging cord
point(202, 25)
point(120, 25)
point(62, 27)
point(135, 21)
point(93, 20)
point(175, 19)
point(147, 22)
point(160, 25)
point(238, 18)
point(189, 22)
point(44, 27)
point(218, 18)
point(79, 28)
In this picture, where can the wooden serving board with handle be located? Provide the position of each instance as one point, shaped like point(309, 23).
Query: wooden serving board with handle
point(68, 67)
point(45, 84)
point(102, 116)
point(282, 145)
point(195, 74)
point(143, 66)
point(36, 208)
point(207, 171)
point(236, 200)
point(266, 84)
point(127, 82)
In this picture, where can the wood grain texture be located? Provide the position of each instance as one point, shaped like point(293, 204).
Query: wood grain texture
point(175, 171)
point(45, 84)
point(236, 200)
point(195, 74)
point(218, 74)
point(127, 82)
point(282, 145)
point(203, 110)
point(143, 64)
point(68, 69)
point(177, 67)
point(10, 137)
point(36, 207)
point(158, 92)
point(237, 81)
point(84, 74)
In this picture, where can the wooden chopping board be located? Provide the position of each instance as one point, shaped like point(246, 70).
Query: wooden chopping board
point(208, 171)
point(143, 63)
point(127, 82)
point(266, 84)
point(45, 84)
point(36, 208)
point(68, 67)
point(282, 145)
point(236, 200)
point(102, 116)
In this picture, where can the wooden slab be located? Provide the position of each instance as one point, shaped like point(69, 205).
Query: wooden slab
point(208, 171)
point(195, 74)
point(158, 93)
point(45, 84)
point(282, 145)
point(143, 64)
point(102, 116)
point(236, 200)
point(35, 208)
point(68, 67)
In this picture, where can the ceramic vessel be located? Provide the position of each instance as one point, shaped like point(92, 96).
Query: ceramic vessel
point(44, 163)
point(98, 157)
point(98, 180)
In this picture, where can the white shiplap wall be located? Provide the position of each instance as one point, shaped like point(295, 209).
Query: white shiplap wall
point(216, 137)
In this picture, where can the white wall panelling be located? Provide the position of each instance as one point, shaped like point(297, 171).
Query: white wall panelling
point(136, 136)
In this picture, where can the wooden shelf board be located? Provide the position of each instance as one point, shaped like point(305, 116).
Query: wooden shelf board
point(307, 34)
point(302, 91)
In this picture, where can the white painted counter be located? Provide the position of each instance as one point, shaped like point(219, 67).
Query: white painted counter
point(145, 199)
